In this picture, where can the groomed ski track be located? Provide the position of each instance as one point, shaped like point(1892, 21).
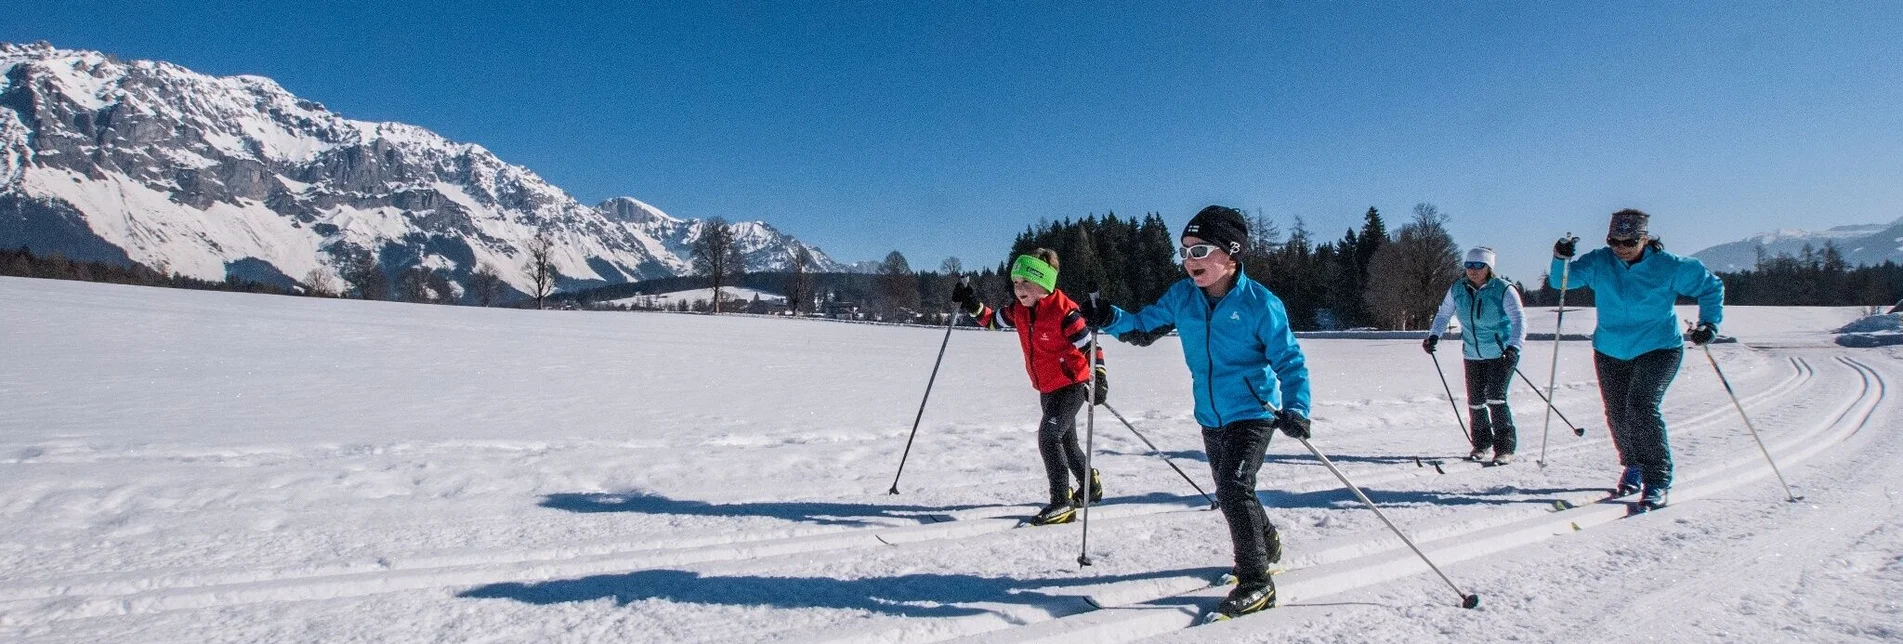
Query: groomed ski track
point(940, 571)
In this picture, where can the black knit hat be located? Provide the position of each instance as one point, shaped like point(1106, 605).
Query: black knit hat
point(1222, 226)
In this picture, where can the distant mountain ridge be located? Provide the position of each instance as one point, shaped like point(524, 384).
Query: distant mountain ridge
point(148, 162)
point(1860, 244)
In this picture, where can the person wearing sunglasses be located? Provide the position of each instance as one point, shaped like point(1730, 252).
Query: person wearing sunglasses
point(1637, 345)
point(1052, 333)
point(1492, 331)
point(1248, 376)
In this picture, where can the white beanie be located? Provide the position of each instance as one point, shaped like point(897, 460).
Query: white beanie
point(1480, 254)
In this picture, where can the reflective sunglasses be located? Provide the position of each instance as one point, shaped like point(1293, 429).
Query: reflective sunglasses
point(1475, 265)
point(1622, 243)
point(1198, 251)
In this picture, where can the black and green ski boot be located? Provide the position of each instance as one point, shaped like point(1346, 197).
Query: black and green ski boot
point(1096, 490)
point(1055, 513)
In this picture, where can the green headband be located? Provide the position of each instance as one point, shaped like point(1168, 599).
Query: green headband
point(1035, 271)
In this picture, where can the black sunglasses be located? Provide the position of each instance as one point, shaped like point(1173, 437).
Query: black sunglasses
point(1622, 243)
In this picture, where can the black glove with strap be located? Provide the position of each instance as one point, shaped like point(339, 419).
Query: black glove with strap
point(966, 298)
point(1097, 313)
point(1703, 334)
point(1512, 354)
point(1103, 387)
point(1429, 343)
point(1146, 338)
point(1565, 247)
point(1293, 424)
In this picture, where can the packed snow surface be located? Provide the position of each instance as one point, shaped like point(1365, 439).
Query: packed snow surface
point(185, 466)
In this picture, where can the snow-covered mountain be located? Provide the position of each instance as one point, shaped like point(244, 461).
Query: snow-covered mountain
point(1860, 244)
point(149, 162)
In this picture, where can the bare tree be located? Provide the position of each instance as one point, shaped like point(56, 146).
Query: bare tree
point(799, 287)
point(365, 277)
point(319, 283)
point(485, 285)
point(951, 267)
point(716, 254)
point(541, 267)
point(1408, 277)
point(898, 286)
point(413, 285)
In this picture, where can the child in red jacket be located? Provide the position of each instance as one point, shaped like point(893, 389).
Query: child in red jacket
point(1052, 332)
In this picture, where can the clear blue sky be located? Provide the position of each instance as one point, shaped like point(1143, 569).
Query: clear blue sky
point(944, 128)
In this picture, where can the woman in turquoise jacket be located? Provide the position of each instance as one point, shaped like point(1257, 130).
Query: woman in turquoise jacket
point(1249, 379)
point(1492, 331)
point(1637, 346)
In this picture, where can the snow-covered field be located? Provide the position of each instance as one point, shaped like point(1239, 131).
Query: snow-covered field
point(182, 466)
point(698, 296)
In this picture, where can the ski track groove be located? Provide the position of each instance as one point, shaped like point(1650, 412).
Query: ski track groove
point(1175, 612)
point(182, 592)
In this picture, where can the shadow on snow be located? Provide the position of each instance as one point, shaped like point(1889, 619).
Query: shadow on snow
point(914, 595)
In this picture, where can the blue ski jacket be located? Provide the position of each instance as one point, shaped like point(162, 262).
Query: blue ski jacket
point(1635, 300)
point(1490, 317)
point(1243, 361)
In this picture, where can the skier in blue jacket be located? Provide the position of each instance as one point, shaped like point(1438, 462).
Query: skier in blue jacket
point(1249, 379)
point(1637, 346)
point(1492, 331)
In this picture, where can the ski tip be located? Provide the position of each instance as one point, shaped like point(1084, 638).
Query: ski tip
point(1562, 506)
point(1470, 601)
point(1576, 527)
point(1437, 468)
point(1215, 616)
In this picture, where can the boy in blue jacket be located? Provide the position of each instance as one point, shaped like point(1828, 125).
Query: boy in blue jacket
point(1637, 345)
point(1249, 379)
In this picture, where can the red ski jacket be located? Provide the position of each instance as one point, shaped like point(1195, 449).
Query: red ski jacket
point(1053, 336)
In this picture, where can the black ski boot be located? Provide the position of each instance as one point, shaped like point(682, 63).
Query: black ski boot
point(1629, 481)
point(1653, 499)
point(1055, 513)
point(1096, 490)
point(1248, 597)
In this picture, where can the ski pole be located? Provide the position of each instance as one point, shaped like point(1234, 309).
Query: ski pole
point(928, 395)
point(1159, 454)
point(1090, 437)
point(1747, 425)
point(1577, 430)
point(1450, 399)
point(1552, 380)
point(1466, 600)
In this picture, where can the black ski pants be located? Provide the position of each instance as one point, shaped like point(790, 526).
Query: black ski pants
point(1057, 439)
point(1235, 456)
point(1633, 390)
point(1491, 420)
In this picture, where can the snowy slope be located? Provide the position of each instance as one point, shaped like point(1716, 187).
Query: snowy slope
point(212, 467)
point(1860, 244)
point(149, 162)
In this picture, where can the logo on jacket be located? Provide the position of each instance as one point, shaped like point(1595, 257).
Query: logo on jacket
point(1235, 316)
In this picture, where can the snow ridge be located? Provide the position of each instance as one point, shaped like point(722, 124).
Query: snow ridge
point(150, 162)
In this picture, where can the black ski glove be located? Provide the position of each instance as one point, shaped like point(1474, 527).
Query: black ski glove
point(1103, 387)
point(1293, 424)
point(963, 295)
point(1429, 343)
point(1146, 338)
point(1097, 314)
point(1512, 354)
point(1703, 334)
point(1565, 246)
